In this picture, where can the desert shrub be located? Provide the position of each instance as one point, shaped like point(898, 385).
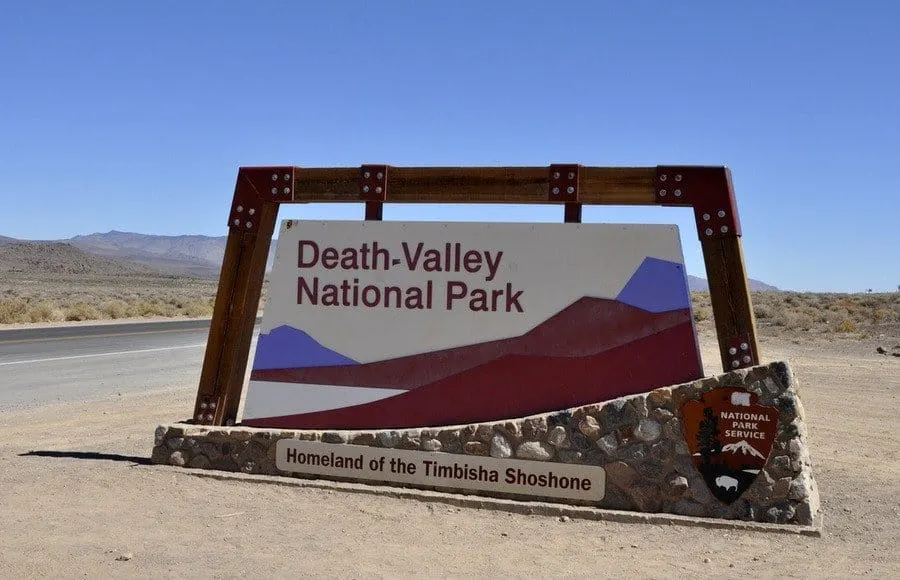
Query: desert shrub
point(82, 311)
point(763, 311)
point(198, 308)
point(794, 320)
point(702, 313)
point(42, 312)
point(884, 315)
point(114, 309)
point(845, 325)
point(12, 311)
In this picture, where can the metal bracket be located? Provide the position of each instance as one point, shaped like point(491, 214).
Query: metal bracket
point(207, 410)
point(708, 190)
point(373, 182)
point(740, 352)
point(256, 185)
point(564, 180)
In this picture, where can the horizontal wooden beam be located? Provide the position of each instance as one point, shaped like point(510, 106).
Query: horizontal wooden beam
point(598, 185)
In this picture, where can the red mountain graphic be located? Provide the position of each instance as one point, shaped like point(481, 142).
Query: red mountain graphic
point(587, 327)
point(517, 386)
point(592, 351)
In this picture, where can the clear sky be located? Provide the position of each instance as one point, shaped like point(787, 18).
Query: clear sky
point(135, 116)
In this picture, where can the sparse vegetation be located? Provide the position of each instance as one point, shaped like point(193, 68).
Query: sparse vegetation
point(847, 315)
point(33, 298)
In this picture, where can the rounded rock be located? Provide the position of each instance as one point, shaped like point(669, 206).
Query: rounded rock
point(177, 459)
point(535, 450)
point(608, 444)
point(431, 445)
point(589, 427)
point(558, 437)
point(647, 430)
point(500, 447)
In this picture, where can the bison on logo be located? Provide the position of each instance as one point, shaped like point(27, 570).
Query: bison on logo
point(730, 437)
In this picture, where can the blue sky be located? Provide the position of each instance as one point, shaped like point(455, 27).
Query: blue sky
point(135, 116)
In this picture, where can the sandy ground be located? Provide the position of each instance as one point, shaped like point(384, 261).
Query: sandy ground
point(94, 510)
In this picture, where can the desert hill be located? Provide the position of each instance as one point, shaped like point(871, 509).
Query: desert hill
point(190, 255)
point(62, 259)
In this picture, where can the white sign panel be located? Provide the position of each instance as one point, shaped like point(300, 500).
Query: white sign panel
point(399, 324)
point(442, 470)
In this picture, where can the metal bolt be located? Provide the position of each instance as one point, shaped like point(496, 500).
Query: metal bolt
point(555, 191)
point(200, 417)
point(240, 208)
point(209, 417)
point(732, 351)
point(570, 189)
point(203, 405)
point(744, 346)
point(378, 189)
point(747, 360)
point(662, 177)
point(708, 231)
point(212, 405)
point(556, 175)
point(662, 193)
point(706, 217)
point(677, 193)
point(678, 177)
point(721, 213)
point(287, 176)
point(274, 191)
point(287, 190)
point(274, 177)
point(735, 364)
point(724, 229)
point(365, 189)
point(249, 225)
point(366, 175)
point(571, 175)
point(379, 175)
point(251, 211)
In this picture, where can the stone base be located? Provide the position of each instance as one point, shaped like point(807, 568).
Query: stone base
point(638, 440)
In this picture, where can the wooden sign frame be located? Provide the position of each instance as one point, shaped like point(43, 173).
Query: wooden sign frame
point(259, 192)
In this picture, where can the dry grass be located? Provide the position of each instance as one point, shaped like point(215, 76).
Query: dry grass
point(848, 315)
point(34, 298)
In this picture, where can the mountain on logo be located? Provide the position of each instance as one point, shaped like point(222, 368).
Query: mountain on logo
point(289, 347)
point(743, 448)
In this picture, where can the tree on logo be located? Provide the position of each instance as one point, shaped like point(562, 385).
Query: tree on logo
point(708, 435)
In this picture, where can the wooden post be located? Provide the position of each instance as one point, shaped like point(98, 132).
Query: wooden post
point(729, 293)
point(251, 226)
point(572, 213)
point(709, 191)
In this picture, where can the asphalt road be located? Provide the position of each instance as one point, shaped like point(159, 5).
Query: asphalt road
point(87, 363)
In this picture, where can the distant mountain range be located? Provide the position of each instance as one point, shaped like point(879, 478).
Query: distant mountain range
point(195, 256)
point(201, 256)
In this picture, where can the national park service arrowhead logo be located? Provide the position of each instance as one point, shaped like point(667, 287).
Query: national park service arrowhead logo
point(730, 437)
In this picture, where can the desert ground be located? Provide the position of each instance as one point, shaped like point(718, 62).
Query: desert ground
point(97, 509)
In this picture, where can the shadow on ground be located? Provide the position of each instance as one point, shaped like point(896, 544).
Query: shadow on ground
point(91, 455)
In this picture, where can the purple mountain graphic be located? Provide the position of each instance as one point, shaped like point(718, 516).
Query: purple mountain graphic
point(657, 286)
point(287, 347)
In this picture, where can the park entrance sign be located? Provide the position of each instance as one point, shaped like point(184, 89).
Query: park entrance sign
point(551, 362)
point(374, 325)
